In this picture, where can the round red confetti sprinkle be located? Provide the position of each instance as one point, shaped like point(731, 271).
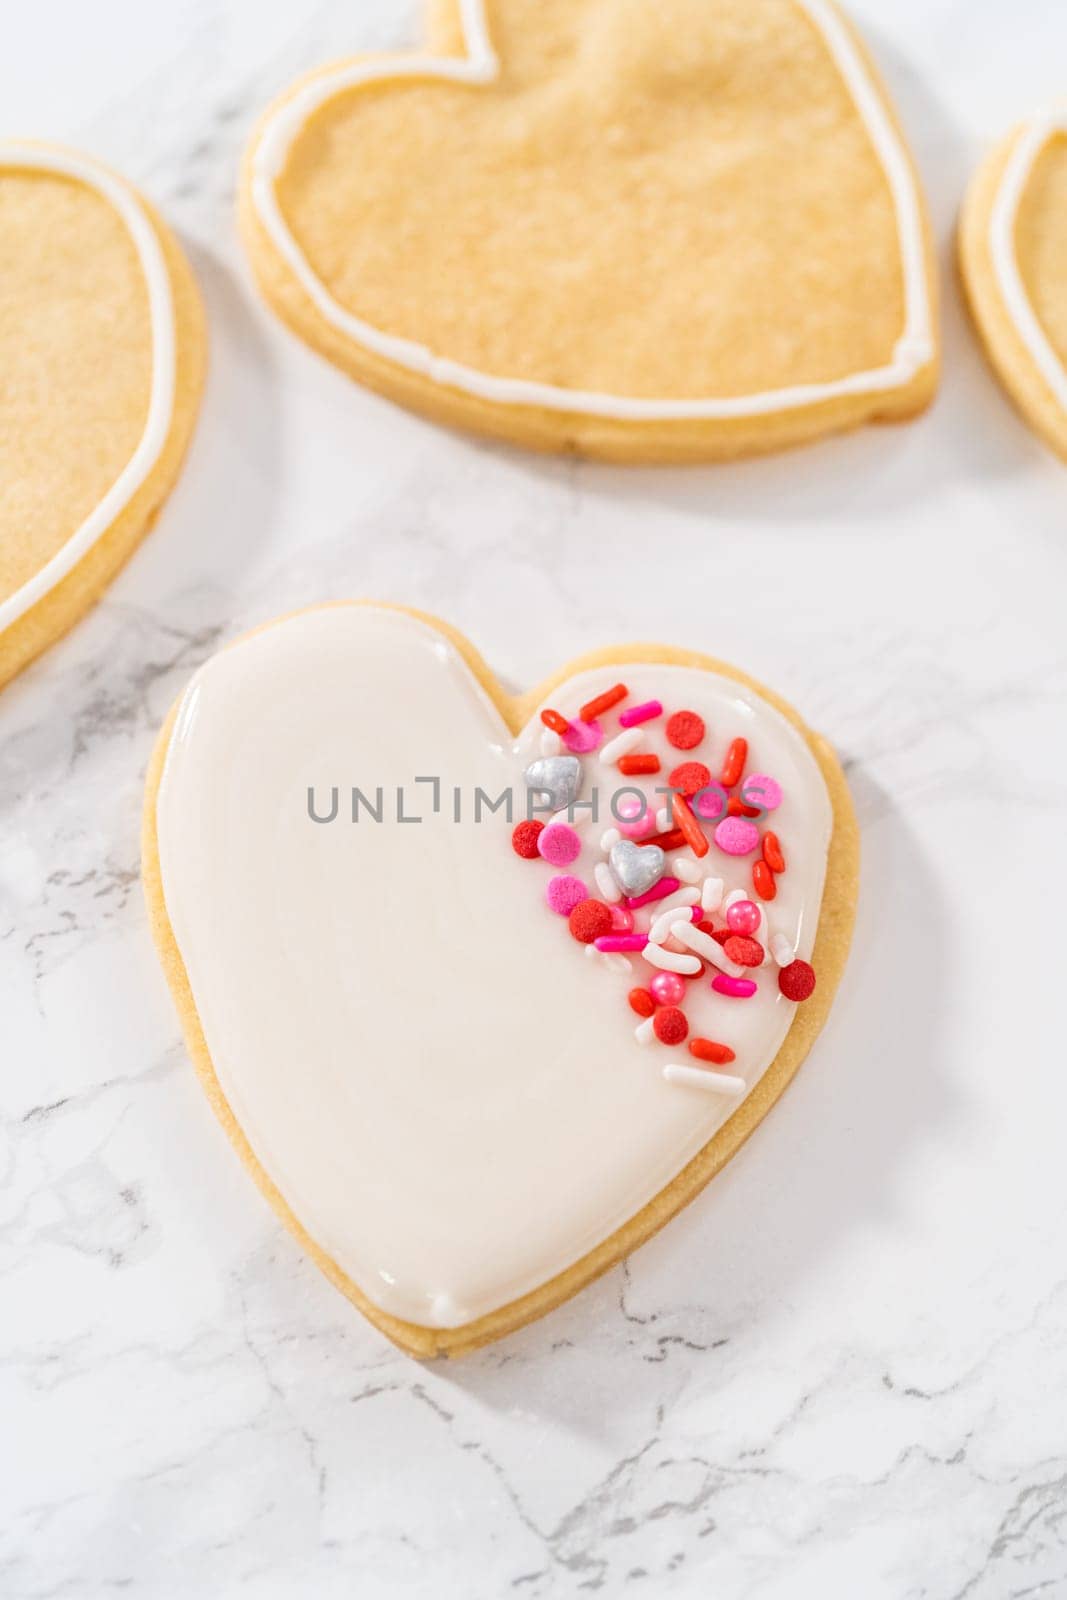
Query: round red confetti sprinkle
point(685, 730)
point(524, 839)
point(589, 920)
point(746, 952)
point(670, 1026)
point(708, 1050)
point(797, 980)
point(690, 778)
point(641, 1002)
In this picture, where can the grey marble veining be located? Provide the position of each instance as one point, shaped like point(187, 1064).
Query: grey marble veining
point(842, 1373)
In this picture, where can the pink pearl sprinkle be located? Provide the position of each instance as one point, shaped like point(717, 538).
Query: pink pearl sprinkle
point(759, 790)
point(738, 988)
point(639, 826)
point(642, 713)
point(623, 921)
point(630, 807)
point(667, 988)
point(564, 893)
point(744, 916)
point(615, 943)
point(581, 737)
point(736, 835)
point(659, 891)
point(558, 844)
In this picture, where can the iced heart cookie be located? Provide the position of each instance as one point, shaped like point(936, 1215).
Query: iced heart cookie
point(101, 365)
point(474, 1042)
point(688, 230)
point(1013, 257)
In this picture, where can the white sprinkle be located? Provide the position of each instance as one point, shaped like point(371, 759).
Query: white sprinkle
point(667, 961)
point(664, 820)
point(671, 902)
point(698, 1078)
point(551, 743)
point(687, 869)
point(621, 745)
point(709, 948)
point(711, 894)
point(781, 949)
point(644, 1033)
point(733, 897)
point(663, 924)
point(605, 882)
point(609, 837)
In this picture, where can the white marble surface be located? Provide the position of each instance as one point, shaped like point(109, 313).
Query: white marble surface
point(843, 1373)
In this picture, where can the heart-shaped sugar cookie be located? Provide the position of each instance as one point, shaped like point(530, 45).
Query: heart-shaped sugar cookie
point(681, 230)
point(467, 1066)
point(101, 367)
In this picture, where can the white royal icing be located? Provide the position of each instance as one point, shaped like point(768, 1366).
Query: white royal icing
point(448, 1094)
point(1028, 146)
point(913, 350)
point(123, 200)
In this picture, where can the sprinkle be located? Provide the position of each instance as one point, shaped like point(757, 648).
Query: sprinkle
point(797, 980)
point(701, 1078)
point(735, 807)
point(746, 952)
point(642, 713)
point(524, 837)
point(689, 826)
point(736, 836)
point(781, 949)
point(711, 894)
point(666, 841)
point(709, 948)
point(553, 720)
point(609, 837)
point(622, 921)
point(589, 920)
point(615, 943)
point(763, 880)
point(662, 926)
point(759, 790)
point(621, 745)
point(564, 893)
point(668, 961)
point(658, 891)
point(733, 897)
point(581, 737)
point(643, 1032)
point(734, 764)
point(688, 871)
point(690, 778)
point(559, 845)
point(668, 989)
point(742, 914)
point(639, 827)
point(603, 702)
point(632, 806)
point(737, 988)
point(712, 803)
point(708, 1050)
point(663, 819)
point(772, 852)
point(551, 743)
point(641, 1002)
point(638, 766)
point(685, 730)
point(669, 1025)
point(605, 882)
point(680, 900)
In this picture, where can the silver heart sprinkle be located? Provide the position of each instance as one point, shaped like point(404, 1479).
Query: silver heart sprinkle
point(557, 777)
point(636, 867)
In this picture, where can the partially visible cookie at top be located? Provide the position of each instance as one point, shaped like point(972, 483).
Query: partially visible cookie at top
point(102, 350)
point(689, 230)
point(1013, 258)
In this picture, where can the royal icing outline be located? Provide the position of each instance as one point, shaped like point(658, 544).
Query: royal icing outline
point(1028, 147)
point(127, 206)
point(914, 349)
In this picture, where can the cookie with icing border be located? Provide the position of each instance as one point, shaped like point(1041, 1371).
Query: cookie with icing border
point(1013, 259)
point(687, 231)
point(102, 352)
point(444, 1088)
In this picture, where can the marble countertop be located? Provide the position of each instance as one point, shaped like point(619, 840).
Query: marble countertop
point(843, 1372)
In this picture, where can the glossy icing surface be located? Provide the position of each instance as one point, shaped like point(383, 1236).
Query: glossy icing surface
point(445, 1088)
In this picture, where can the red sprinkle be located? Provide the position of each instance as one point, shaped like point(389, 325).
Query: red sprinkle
point(641, 1002)
point(685, 730)
point(524, 838)
point(632, 766)
point(603, 702)
point(708, 1050)
point(746, 952)
point(734, 764)
point(553, 720)
point(736, 807)
point(797, 980)
point(720, 935)
point(590, 919)
point(670, 1026)
point(674, 840)
point(772, 852)
point(689, 826)
point(763, 880)
point(690, 778)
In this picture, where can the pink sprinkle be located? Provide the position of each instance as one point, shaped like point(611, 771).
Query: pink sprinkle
point(736, 835)
point(564, 893)
point(642, 713)
point(581, 737)
point(710, 803)
point(630, 807)
point(744, 916)
point(668, 989)
point(623, 921)
point(659, 891)
point(558, 844)
point(759, 790)
point(738, 988)
point(613, 943)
